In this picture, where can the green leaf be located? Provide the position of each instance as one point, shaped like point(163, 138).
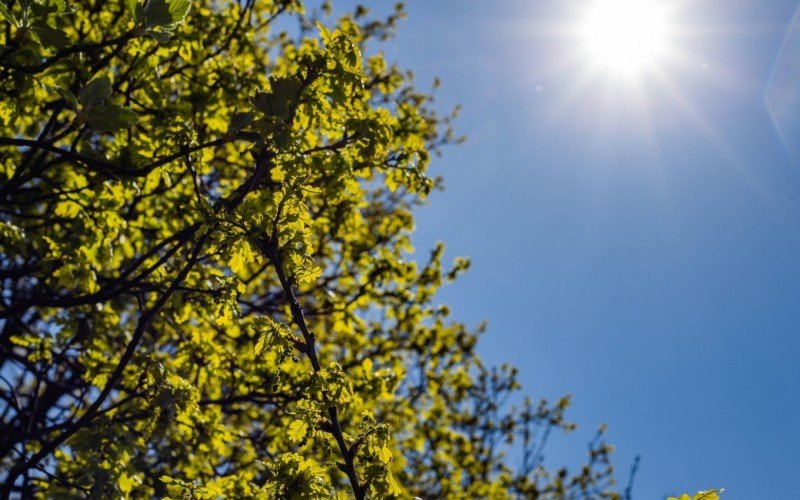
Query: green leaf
point(351, 52)
point(133, 8)
point(110, 117)
point(96, 91)
point(128, 482)
point(238, 122)
point(279, 100)
point(68, 96)
point(162, 37)
point(43, 8)
point(707, 495)
point(241, 256)
point(179, 9)
point(156, 13)
point(165, 13)
point(261, 101)
point(60, 6)
point(263, 342)
point(67, 209)
point(50, 37)
point(385, 454)
point(6, 14)
point(272, 336)
point(297, 430)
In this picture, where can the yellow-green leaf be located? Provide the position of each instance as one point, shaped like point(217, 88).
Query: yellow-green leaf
point(297, 430)
point(385, 454)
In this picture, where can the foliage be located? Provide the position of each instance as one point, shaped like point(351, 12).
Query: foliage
point(208, 285)
point(700, 495)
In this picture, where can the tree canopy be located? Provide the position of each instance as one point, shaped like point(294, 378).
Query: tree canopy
point(208, 283)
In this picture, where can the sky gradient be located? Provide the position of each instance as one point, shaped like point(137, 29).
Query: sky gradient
point(644, 238)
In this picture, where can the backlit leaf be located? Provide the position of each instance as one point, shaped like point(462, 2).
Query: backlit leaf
point(297, 430)
point(110, 117)
point(96, 91)
point(166, 14)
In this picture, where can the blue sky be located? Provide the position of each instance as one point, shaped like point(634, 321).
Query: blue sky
point(645, 236)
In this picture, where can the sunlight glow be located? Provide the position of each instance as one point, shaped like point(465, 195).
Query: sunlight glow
point(625, 36)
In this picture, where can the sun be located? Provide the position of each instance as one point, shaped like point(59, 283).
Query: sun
point(625, 36)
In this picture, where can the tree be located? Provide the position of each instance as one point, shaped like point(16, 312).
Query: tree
point(208, 285)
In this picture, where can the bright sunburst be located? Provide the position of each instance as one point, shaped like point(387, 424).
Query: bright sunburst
point(625, 36)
